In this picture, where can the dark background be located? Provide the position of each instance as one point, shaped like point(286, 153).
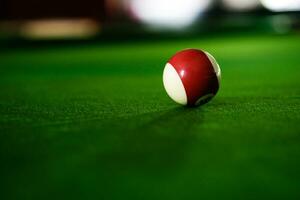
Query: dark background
point(33, 9)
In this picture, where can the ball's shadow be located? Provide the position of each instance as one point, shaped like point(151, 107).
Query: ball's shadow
point(177, 119)
point(156, 142)
point(165, 139)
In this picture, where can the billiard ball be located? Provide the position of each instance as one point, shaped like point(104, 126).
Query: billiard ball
point(192, 77)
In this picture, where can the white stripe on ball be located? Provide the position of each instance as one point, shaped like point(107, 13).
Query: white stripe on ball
point(173, 85)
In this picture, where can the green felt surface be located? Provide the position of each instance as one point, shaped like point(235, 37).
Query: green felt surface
point(93, 121)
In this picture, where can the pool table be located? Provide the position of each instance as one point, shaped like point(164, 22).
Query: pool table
point(92, 121)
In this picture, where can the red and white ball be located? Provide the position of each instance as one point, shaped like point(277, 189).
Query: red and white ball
point(192, 77)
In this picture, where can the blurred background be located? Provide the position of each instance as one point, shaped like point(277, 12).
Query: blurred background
point(56, 20)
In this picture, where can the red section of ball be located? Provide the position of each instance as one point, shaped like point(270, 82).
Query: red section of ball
point(196, 72)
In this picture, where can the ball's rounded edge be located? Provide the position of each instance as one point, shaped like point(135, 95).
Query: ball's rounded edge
point(215, 65)
point(173, 85)
point(206, 98)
